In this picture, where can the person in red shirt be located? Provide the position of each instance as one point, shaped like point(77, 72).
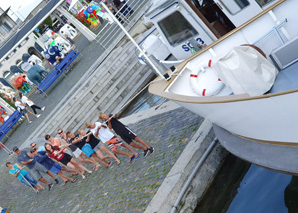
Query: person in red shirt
point(57, 153)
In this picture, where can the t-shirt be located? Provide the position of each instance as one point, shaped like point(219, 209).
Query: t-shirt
point(79, 144)
point(104, 134)
point(24, 157)
point(59, 156)
point(25, 100)
point(93, 141)
point(44, 160)
point(16, 169)
point(72, 146)
point(41, 148)
point(117, 126)
point(18, 104)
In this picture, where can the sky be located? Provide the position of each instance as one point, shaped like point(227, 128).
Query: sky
point(21, 8)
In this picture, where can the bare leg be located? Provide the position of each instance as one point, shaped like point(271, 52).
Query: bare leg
point(31, 113)
point(137, 146)
point(102, 157)
point(51, 174)
point(40, 186)
point(137, 139)
point(103, 148)
point(44, 181)
point(83, 160)
point(75, 168)
point(64, 176)
point(65, 169)
point(27, 116)
point(116, 151)
point(103, 162)
point(79, 166)
point(129, 148)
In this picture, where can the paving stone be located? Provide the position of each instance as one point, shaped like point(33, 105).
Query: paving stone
point(128, 187)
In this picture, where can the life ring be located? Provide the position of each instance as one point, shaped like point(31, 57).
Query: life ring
point(202, 80)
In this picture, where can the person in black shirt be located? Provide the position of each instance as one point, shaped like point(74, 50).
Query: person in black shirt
point(125, 133)
point(98, 146)
point(80, 142)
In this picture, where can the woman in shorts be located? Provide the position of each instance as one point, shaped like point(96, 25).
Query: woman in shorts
point(97, 146)
point(80, 142)
point(57, 153)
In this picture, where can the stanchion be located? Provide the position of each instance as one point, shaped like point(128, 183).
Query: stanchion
point(6, 149)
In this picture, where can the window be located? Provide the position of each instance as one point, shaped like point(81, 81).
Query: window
point(176, 28)
point(263, 2)
point(5, 28)
point(7, 75)
point(235, 6)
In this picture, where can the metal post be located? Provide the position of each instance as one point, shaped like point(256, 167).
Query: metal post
point(132, 40)
point(8, 151)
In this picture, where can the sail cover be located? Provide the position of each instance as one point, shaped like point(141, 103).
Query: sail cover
point(245, 70)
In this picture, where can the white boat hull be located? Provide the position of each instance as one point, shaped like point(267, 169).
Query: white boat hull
point(273, 119)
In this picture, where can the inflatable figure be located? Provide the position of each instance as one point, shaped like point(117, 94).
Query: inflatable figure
point(52, 52)
point(36, 74)
point(34, 60)
point(90, 15)
point(68, 30)
point(18, 81)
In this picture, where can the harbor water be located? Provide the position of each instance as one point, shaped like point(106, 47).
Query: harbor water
point(242, 187)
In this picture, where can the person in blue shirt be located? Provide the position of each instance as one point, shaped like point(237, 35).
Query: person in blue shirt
point(35, 167)
point(50, 165)
point(23, 176)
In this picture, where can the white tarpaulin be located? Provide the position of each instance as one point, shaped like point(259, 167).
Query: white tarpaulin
point(245, 70)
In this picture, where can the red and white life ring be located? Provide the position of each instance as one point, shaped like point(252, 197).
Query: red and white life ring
point(202, 79)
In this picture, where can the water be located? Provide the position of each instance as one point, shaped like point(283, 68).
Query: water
point(143, 101)
point(242, 187)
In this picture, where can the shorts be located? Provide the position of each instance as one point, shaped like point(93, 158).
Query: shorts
point(66, 159)
point(77, 152)
point(35, 171)
point(114, 142)
point(127, 135)
point(97, 147)
point(29, 180)
point(24, 110)
point(87, 150)
point(56, 168)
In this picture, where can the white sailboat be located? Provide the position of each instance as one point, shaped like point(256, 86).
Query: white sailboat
point(247, 99)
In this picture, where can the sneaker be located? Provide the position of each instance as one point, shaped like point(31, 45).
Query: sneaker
point(30, 122)
point(57, 181)
point(84, 177)
point(146, 152)
point(90, 172)
point(151, 150)
point(51, 186)
point(38, 115)
point(43, 108)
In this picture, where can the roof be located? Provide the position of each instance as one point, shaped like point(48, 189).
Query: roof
point(28, 27)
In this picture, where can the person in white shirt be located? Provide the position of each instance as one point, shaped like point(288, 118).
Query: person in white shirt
point(23, 108)
point(30, 103)
point(106, 136)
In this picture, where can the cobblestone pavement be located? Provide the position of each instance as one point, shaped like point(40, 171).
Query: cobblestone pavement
point(125, 188)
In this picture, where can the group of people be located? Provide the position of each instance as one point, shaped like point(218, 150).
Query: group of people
point(23, 105)
point(71, 150)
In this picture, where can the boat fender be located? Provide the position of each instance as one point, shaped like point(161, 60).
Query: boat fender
point(203, 82)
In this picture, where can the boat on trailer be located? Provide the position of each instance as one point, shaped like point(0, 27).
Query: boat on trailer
point(246, 83)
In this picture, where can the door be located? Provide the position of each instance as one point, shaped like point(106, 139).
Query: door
point(239, 11)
